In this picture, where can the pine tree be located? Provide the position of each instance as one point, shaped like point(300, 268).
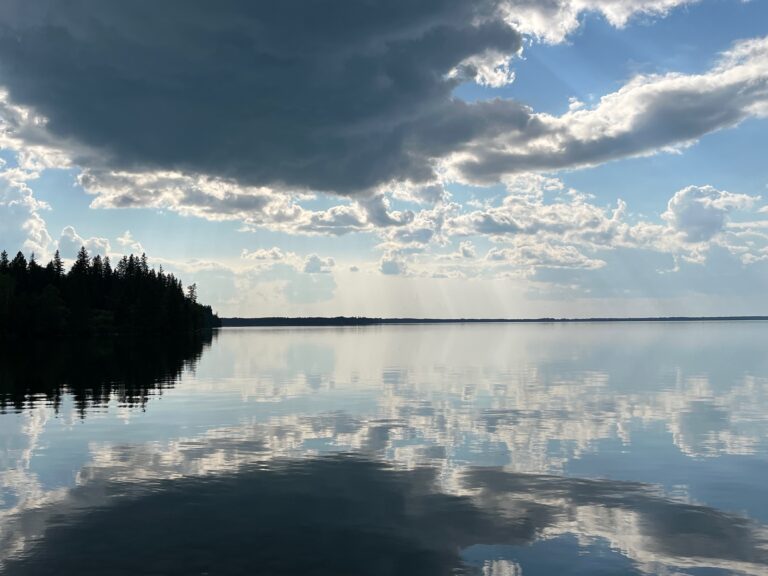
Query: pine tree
point(97, 266)
point(58, 265)
point(192, 292)
point(82, 262)
point(19, 263)
point(92, 299)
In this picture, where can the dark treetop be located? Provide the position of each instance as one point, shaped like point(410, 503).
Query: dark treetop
point(94, 298)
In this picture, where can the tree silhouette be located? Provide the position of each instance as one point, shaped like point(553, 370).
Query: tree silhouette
point(94, 298)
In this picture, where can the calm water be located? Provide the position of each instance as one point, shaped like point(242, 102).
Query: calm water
point(493, 450)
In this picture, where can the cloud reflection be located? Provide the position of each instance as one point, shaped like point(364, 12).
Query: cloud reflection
point(485, 423)
point(346, 514)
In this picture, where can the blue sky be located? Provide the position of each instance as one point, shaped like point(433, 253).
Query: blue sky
point(600, 157)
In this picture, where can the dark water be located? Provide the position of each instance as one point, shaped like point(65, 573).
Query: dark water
point(494, 450)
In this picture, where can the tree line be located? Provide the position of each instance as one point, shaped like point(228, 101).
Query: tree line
point(94, 297)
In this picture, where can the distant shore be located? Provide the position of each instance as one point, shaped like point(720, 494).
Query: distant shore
point(365, 321)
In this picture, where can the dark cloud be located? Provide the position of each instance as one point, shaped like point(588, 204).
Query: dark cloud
point(332, 95)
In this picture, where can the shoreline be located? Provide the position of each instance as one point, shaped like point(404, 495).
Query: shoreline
point(276, 321)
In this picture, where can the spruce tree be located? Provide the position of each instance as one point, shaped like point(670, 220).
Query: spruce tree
point(19, 263)
point(94, 299)
point(82, 262)
point(58, 265)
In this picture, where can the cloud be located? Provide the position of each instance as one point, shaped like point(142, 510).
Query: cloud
point(22, 226)
point(392, 264)
point(648, 114)
point(269, 254)
point(257, 207)
point(128, 242)
point(496, 140)
point(70, 242)
point(701, 212)
point(544, 256)
point(252, 93)
point(536, 205)
point(313, 264)
point(554, 20)
point(467, 249)
point(545, 231)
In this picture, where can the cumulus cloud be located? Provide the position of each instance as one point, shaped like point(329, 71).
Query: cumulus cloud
point(648, 114)
point(553, 20)
point(467, 249)
point(536, 206)
point(541, 224)
point(264, 258)
point(22, 226)
point(274, 254)
point(70, 242)
point(256, 207)
point(129, 243)
point(701, 212)
point(314, 264)
point(543, 255)
point(392, 264)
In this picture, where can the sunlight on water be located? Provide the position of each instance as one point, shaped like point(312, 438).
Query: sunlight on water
point(496, 450)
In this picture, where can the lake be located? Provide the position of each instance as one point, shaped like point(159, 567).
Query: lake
point(500, 450)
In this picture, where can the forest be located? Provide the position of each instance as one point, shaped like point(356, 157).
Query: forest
point(94, 298)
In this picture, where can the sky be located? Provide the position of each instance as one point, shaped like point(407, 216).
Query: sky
point(442, 158)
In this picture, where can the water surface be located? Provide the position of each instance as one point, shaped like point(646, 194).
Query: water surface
point(479, 449)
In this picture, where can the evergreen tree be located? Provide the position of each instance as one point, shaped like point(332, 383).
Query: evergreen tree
point(58, 265)
point(94, 298)
point(97, 267)
point(82, 262)
point(19, 263)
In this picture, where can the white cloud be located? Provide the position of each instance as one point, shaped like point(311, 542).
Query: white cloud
point(269, 254)
point(314, 264)
point(70, 242)
point(649, 114)
point(129, 243)
point(701, 212)
point(22, 226)
point(554, 20)
point(467, 249)
point(543, 255)
point(392, 264)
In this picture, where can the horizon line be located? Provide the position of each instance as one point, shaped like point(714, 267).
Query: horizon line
point(267, 321)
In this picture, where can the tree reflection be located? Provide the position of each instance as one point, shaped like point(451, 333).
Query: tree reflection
point(95, 371)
